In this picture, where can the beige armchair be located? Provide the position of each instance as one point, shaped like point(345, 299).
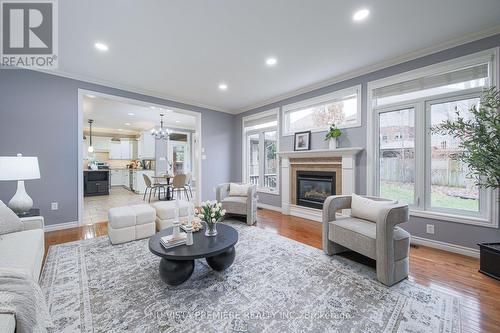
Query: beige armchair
point(240, 204)
point(379, 239)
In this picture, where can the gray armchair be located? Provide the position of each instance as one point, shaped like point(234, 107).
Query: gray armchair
point(239, 205)
point(382, 240)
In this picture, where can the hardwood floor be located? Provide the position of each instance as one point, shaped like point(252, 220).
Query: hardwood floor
point(436, 269)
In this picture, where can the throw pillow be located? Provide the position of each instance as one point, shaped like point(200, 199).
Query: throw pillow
point(9, 222)
point(367, 209)
point(238, 190)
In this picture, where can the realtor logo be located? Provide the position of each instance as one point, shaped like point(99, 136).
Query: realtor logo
point(29, 34)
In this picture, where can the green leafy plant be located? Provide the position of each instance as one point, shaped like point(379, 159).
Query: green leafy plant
point(333, 132)
point(479, 137)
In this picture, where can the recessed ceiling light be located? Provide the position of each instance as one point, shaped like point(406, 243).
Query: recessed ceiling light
point(223, 86)
point(90, 96)
point(177, 121)
point(271, 61)
point(361, 14)
point(127, 124)
point(131, 114)
point(120, 129)
point(101, 46)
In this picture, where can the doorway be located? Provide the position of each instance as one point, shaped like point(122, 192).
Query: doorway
point(118, 150)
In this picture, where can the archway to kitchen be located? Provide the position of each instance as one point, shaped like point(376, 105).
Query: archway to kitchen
point(124, 149)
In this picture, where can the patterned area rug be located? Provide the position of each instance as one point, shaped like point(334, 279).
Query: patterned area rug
point(274, 285)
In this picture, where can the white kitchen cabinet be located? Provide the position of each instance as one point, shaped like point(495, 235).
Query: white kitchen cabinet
point(116, 177)
point(101, 143)
point(115, 150)
point(126, 178)
point(125, 148)
point(139, 184)
point(146, 146)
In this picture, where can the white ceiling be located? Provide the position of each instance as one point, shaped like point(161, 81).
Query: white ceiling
point(110, 115)
point(183, 49)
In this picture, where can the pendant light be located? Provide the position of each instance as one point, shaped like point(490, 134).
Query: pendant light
point(161, 133)
point(91, 147)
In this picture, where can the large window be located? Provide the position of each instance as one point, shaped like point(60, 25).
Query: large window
point(415, 165)
point(316, 114)
point(260, 162)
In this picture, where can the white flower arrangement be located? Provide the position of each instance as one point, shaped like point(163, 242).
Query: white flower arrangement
point(211, 212)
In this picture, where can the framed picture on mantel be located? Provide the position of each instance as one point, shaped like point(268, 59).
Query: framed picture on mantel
point(302, 141)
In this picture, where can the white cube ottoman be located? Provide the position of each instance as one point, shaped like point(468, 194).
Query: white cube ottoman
point(165, 212)
point(129, 223)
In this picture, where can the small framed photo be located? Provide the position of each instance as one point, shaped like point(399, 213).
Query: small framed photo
point(302, 141)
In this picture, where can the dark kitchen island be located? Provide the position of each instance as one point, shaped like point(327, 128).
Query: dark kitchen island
point(96, 182)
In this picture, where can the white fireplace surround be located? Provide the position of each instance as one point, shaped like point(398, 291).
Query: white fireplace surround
point(348, 177)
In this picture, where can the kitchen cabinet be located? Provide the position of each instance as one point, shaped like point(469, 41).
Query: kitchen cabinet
point(146, 146)
point(116, 177)
point(125, 149)
point(101, 143)
point(96, 182)
point(138, 183)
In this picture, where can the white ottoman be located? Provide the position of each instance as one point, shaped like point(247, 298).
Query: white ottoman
point(165, 212)
point(129, 223)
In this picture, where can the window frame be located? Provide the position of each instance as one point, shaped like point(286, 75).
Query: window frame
point(320, 100)
point(488, 214)
point(261, 131)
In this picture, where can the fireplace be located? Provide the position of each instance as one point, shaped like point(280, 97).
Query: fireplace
point(313, 187)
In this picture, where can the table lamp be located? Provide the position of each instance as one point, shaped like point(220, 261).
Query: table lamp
point(19, 168)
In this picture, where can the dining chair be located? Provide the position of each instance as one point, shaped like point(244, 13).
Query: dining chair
point(152, 187)
point(179, 186)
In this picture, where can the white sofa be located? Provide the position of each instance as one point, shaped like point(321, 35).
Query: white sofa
point(165, 212)
point(22, 251)
point(130, 223)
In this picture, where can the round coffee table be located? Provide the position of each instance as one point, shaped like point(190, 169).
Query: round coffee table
point(177, 263)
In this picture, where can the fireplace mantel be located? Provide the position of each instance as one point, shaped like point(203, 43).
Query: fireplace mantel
point(339, 152)
point(344, 158)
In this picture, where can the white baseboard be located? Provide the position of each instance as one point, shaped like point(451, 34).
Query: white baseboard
point(466, 251)
point(61, 226)
point(270, 207)
point(306, 213)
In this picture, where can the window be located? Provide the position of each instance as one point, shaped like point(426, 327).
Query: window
point(414, 165)
point(316, 114)
point(260, 161)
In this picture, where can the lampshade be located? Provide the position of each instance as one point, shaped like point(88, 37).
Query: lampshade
point(19, 167)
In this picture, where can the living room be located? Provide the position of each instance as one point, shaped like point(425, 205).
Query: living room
point(343, 166)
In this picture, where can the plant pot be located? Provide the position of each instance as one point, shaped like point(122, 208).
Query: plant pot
point(332, 144)
point(211, 229)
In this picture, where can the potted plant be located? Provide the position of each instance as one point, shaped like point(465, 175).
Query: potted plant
point(332, 136)
point(479, 140)
point(211, 212)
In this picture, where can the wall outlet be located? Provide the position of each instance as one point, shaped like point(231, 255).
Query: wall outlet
point(54, 206)
point(203, 157)
point(430, 228)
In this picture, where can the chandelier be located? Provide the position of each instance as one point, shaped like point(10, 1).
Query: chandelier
point(161, 133)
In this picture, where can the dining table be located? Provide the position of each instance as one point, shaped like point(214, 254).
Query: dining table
point(166, 181)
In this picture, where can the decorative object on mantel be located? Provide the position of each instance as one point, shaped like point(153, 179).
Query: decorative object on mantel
point(302, 141)
point(19, 168)
point(211, 212)
point(332, 136)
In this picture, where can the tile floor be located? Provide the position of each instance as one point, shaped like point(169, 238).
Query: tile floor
point(95, 209)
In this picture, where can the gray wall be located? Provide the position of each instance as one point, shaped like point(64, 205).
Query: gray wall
point(38, 116)
point(449, 232)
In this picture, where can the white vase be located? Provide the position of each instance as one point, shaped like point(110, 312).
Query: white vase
point(332, 144)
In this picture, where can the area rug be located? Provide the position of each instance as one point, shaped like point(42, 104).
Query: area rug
point(274, 285)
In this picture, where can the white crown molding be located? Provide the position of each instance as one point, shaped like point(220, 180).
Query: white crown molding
point(131, 89)
point(466, 251)
point(60, 226)
point(378, 66)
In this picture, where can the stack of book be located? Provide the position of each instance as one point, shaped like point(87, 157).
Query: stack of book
point(169, 241)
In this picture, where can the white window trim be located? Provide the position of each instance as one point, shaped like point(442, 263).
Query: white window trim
point(330, 97)
point(490, 56)
point(275, 111)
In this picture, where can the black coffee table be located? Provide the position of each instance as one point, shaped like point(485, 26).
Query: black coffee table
point(177, 264)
